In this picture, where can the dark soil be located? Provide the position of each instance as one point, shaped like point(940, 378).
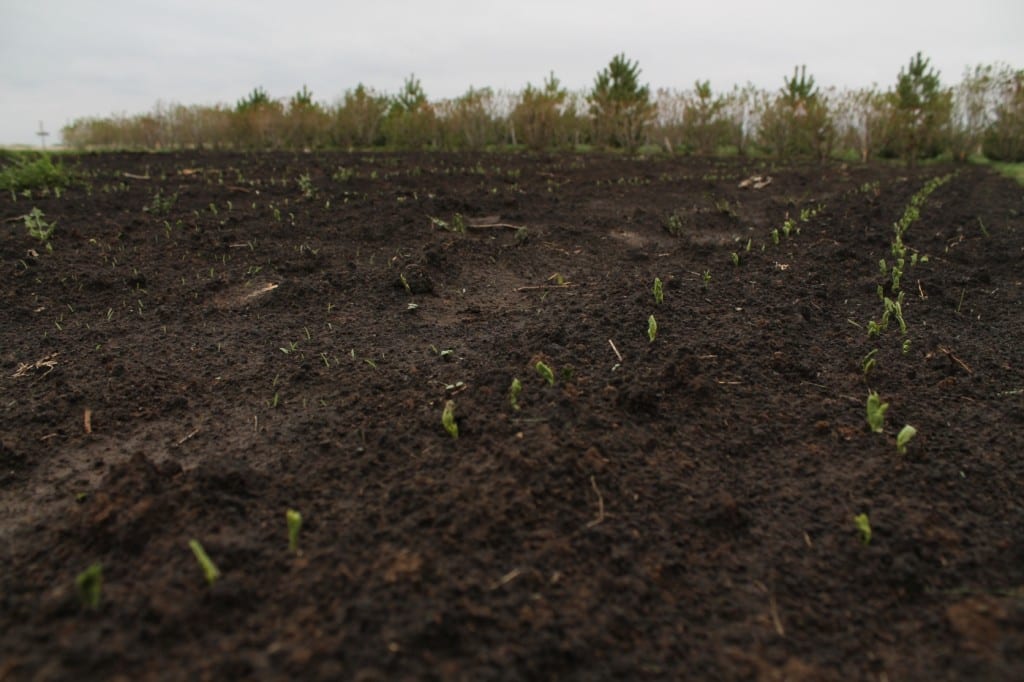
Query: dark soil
point(213, 341)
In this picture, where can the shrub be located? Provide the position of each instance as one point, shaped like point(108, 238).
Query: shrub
point(797, 122)
point(704, 128)
point(1004, 139)
point(357, 120)
point(537, 119)
point(468, 123)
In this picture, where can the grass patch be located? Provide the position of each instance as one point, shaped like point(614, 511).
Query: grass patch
point(23, 171)
point(1010, 170)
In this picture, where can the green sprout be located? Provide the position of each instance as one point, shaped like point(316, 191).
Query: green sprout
point(868, 363)
point(906, 346)
point(545, 371)
point(705, 278)
point(864, 526)
point(210, 570)
point(735, 258)
point(659, 291)
point(39, 228)
point(876, 412)
point(305, 183)
point(457, 224)
point(513, 393)
point(294, 521)
point(775, 236)
point(674, 225)
point(652, 328)
point(448, 419)
point(905, 435)
point(895, 309)
point(161, 205)
point(89, 585)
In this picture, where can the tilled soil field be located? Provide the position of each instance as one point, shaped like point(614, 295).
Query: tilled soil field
point(218, 338)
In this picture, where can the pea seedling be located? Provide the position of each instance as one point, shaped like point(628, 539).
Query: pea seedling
point(513, 393)
point(89, 585)
point(864, 526)
point(210, 570)
point(652, 328)
point(294, 521)
point(448, 419)
point(905, 435)
point(545, 371)
point(659, 291)
point(876, 412)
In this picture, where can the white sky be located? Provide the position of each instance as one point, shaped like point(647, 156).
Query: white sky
point(64, 59)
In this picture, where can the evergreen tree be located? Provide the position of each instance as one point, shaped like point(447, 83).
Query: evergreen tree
point(619, 105)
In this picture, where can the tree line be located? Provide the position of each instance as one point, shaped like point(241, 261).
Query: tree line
point(917, 117)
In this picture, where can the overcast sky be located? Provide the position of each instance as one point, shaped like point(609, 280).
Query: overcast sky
point(65, 59)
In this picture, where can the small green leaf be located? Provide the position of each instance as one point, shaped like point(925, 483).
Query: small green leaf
point(905, 435)
point(89, 585)
point(448, 419)
point(659, 291)
point(876, 412)
point(210, 570)
point(294, 521)
point(513, 393)
point(864, 526)
point(546, 372)
point(652, 328)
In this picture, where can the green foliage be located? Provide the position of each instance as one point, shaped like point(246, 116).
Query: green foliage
point(864, 527)
point(876, 412)
point(39, 228)
point(303, 99)
point(921, 111)
point(26, 171)
point(545, 372)
point(659, 291)
point(256, 99)
point(89, 586)
point(294, 521)
point(305, 183)
point(210, 570)
point(905, 435)
point(619, 105)
point(652, 328)
point(448, 419)
point(674, 224)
